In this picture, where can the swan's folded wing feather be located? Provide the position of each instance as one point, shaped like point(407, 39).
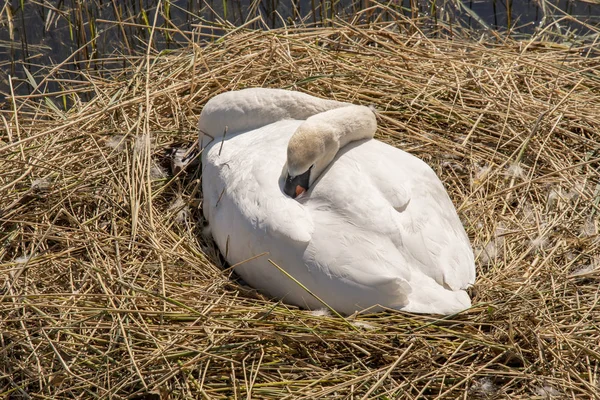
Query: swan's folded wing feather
point(426, 228)
point(355, 269)
point(435, 237)
point(287, 219)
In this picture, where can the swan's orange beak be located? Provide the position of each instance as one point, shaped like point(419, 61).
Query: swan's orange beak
point(294, 186)
point(299, 190)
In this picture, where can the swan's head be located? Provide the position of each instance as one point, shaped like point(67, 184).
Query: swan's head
point(317, 140)
point(309, 152)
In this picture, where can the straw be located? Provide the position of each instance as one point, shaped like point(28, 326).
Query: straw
point(99, 304)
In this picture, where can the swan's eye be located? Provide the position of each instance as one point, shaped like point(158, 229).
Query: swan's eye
point(294, 186)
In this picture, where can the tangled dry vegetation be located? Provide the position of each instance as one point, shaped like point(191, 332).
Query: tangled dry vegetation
point(110, 290)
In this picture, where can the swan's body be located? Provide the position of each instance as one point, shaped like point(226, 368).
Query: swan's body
point(375, 228)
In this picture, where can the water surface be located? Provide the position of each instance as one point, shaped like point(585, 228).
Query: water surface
point(89, 34)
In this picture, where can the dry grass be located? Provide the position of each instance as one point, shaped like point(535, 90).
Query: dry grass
point(109, 289)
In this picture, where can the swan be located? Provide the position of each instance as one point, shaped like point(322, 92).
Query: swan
point(300, 181)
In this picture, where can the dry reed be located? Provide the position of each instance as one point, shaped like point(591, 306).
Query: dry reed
point(109, 289)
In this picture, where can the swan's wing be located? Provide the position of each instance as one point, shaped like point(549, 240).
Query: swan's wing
point(434, 236)
point(383, 212)
point(284, 220)
point(251, 219)
point(352, 250)
point(242, 202)
point(428, 231)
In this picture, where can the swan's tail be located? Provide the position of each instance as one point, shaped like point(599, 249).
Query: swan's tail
point(423, 296)
point(437, 300)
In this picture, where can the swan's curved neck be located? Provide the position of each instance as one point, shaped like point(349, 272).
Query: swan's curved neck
point(247, 109)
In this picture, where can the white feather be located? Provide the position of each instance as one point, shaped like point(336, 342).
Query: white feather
point(377, 227)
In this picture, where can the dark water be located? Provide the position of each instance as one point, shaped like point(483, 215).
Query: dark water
point(87, 33)
point(528, 16)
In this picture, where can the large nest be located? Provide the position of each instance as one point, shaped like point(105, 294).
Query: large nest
point(110, 289)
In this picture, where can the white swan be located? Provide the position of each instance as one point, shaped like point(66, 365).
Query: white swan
point(375, 226)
